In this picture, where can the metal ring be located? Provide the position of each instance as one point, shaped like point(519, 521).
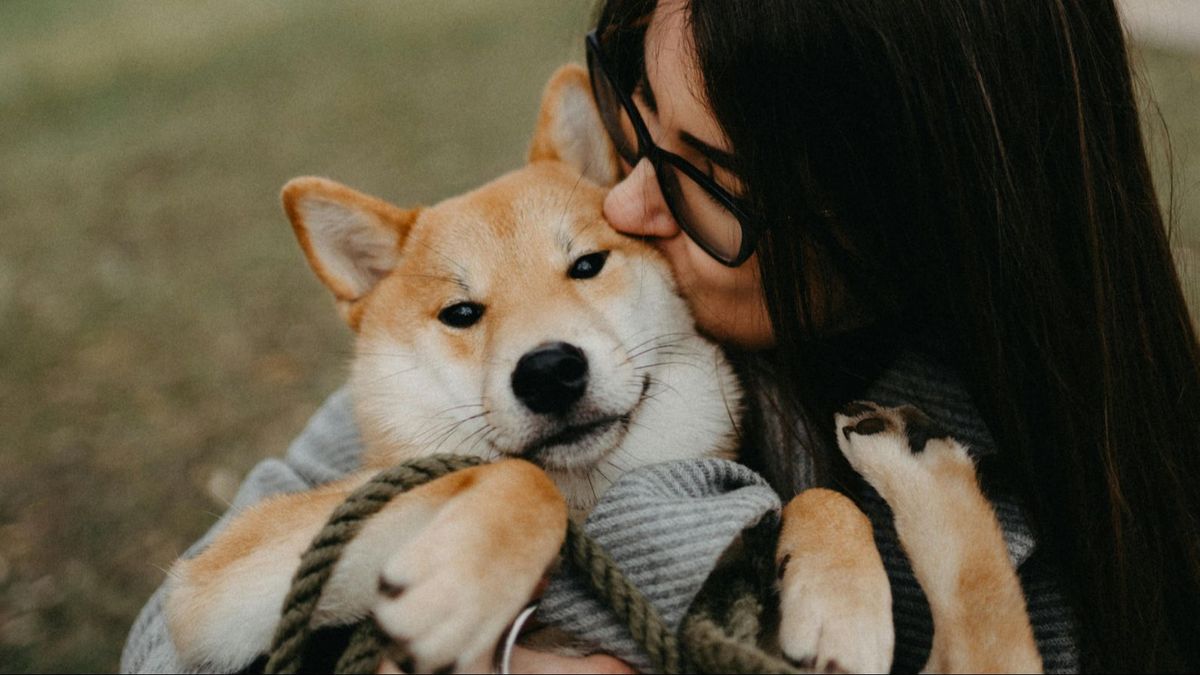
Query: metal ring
point(503, 661)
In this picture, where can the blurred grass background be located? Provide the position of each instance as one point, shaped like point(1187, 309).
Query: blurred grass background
point(159, 330)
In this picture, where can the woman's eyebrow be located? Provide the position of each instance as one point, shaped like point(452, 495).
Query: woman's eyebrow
point(715, 155)
point(647, 91)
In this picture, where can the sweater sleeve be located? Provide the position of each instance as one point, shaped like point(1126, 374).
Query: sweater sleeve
point(328, 448)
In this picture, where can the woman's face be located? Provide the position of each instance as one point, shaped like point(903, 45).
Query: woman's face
point(727, 302)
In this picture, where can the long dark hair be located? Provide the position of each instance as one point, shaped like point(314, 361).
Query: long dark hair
point(975, 171)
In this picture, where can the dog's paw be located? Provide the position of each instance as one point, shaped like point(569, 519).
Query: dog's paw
point(835, 598)
point(900, 450)
point(837, 628)
point(447, 595)
point(443, 611)
point(950, 534)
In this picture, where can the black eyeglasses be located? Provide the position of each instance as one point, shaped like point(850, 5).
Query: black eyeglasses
point(712, 217)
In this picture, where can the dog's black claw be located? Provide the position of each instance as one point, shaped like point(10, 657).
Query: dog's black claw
point(389, 589)
point(397, 652)
point(919, 428)
point(856, 408)
point(870, 426)
point(806, 663)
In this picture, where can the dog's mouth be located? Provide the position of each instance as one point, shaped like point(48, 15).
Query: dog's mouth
point(580, 446)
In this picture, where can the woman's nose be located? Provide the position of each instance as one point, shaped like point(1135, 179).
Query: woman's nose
point(635, 206)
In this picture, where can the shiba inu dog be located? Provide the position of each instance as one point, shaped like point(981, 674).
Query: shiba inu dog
point(511, 323)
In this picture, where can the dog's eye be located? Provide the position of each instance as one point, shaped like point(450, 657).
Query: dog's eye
point(588, 266)
point(461, 315)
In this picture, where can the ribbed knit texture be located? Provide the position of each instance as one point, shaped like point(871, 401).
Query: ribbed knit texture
point(665, 526)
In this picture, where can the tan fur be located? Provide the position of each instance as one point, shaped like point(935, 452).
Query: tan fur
point(835, 601)
point(979, 609)
point(952, 537)
point(552, 142)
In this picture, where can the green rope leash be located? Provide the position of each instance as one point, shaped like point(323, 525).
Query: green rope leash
point(630, 606)
point(316, 565)
point(711, 645)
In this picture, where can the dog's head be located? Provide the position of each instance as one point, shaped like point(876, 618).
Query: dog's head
point(513, 320)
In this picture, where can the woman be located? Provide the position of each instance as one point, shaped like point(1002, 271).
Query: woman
point(964, 181)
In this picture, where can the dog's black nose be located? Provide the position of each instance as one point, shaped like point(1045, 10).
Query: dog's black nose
point(551, 378)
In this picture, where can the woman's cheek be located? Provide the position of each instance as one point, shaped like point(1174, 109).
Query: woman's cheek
point(727, 302)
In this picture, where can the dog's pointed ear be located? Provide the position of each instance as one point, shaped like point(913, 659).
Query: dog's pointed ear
point(569, 128)
point(352, 240)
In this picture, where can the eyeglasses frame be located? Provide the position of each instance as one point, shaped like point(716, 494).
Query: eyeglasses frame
point(751, 229)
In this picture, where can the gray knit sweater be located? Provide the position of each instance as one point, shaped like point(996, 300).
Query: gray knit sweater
point(666, 525)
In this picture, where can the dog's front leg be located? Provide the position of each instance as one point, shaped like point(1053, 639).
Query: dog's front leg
point(448, 594)
point(951, 536)
point(835, 600)
point(223, 605)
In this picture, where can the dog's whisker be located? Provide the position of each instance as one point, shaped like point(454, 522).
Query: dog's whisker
point(477, 433)
point(661, 364)
point(455, 280)
point(483, 438)
point(664, 353)
point(641, 348)
point(398, 373)
point(664, 385)
point(442, 433)
point(649, 350)
point(733, 417)
point(440, 437)
point(167, 571)
point(460, 407)
point(566, 208)
point(435, 277)
point(455, 428)
point(630, 337)
point(422, 434)
point(679, 335)
point(603, 475)
point(620, 452)
point(214, 515)
point(592, 487)
point(488, 438)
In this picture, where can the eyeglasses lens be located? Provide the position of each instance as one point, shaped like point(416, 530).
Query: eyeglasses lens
point(616, 119)
point(695, 209)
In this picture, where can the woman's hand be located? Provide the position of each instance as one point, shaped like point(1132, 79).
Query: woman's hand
point(529, 661)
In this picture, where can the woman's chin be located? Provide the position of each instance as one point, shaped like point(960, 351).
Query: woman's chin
point(737, 328)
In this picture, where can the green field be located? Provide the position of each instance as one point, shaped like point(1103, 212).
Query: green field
point(159, 329)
